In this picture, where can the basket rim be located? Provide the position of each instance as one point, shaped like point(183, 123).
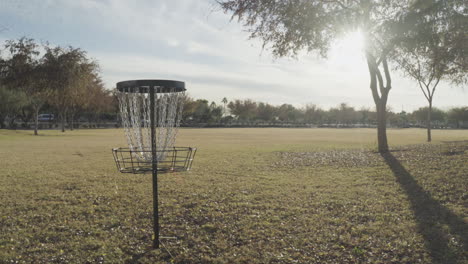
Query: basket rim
point(166, 85)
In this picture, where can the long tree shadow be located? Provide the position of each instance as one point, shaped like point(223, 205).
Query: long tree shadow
point(433, 219)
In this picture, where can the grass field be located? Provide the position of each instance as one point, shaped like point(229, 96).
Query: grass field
point(253, 196)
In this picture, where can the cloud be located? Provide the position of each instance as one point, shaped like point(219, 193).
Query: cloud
point(194, 42)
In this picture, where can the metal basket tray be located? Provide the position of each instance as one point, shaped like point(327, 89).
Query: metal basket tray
point(176, 159)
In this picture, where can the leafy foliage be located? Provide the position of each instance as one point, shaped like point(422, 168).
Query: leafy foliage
point(243, 110)
point(434, 46)
point(61, 78)
point(437, 114)
point(458, 115)
point(198, 111)
point(23, 71)
point(11, 102)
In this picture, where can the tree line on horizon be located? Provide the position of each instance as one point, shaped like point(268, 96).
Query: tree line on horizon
point(251, 113)
point(16, 111)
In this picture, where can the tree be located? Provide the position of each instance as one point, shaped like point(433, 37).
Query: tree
point(399, 119)
point(346, 114)
point(245, 110)
point(87, 87)
point(11, 102)
point(288, 27)
point(266, 112)
point(24, 71)
point(224, 101)
point(431, 50)
point(216, 113)
point(202, 111)
point(198, 111)
point(189, 109)
point(95, 99)
point(68, 71)
point(420, 115)
point(314, 114)
point(366, 116)
point(288, 113)
point(458, 115)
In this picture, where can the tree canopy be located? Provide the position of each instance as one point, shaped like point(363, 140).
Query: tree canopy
point(287, 27)
point(36, 75)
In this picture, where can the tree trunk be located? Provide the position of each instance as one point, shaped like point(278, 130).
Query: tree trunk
point(382, 127)
point(72, 116)
point(62, 121)
point(2, 122)
point(380, 100)
point(24, 118)
point(429, 111)
point(12, 123)
point(36, 120)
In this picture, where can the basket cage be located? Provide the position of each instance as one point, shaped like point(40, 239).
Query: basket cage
point(151, 112)
point(135, 104)
point(176, 159)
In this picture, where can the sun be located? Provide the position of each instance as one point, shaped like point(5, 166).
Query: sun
point(348, 49)
point(352, 41)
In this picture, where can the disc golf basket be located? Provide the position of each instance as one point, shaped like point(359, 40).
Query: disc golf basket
point(151, 111)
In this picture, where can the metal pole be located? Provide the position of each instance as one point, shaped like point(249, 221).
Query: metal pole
point(154, 163)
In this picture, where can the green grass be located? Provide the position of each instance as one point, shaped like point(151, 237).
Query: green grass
point(253, 196)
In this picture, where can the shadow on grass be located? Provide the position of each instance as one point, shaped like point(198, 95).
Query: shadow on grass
point(435, 222)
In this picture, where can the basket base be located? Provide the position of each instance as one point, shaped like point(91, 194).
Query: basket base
point(138, 170)
point(178, 159)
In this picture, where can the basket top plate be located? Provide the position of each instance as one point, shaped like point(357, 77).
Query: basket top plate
point(163, 86)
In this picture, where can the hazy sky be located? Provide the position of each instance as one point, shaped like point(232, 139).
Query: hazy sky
point(193, 41)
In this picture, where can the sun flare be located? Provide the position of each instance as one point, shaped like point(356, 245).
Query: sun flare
point(353, 41)
point(348, 49)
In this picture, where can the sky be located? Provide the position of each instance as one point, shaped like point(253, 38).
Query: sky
point(195, 42)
